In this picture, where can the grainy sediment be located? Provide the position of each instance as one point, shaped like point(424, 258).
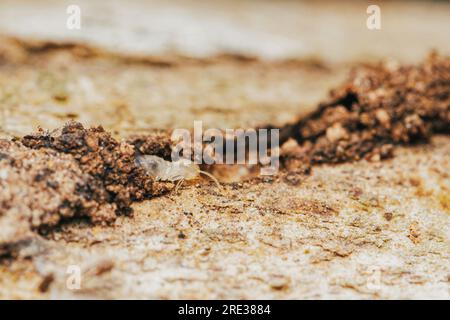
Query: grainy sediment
point(51, 177)
point(42, 188)
point(48, 178)
point(380, 106)
point(112, 163)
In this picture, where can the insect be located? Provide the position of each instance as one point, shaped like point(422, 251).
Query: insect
point(162, 170)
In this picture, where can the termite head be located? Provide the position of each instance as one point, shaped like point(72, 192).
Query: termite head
point(192, 171)
point(188, 168)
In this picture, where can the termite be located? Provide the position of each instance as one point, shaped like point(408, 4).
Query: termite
point(162, 170)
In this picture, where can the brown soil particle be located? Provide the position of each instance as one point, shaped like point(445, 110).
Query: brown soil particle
point(380, 106)
point(388, 216)
point(414, 233)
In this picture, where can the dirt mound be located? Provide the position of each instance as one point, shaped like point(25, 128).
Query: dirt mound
point(158, 144)
point(41, 188)
point(48, 178)
point(378, 107)
point(111, 163)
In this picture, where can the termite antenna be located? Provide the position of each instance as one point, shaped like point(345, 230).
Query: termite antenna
point(178, 185)
point(212, 177)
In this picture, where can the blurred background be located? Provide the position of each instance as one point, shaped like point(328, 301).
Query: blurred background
point(305, 49)
point(331, 30)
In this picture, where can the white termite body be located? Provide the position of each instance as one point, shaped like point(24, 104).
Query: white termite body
point(162, 170)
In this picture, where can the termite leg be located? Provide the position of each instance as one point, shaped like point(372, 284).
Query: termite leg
point(213, 178)
point(178, 185)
